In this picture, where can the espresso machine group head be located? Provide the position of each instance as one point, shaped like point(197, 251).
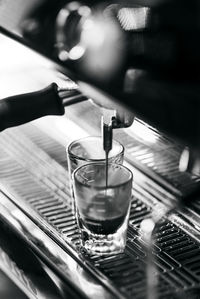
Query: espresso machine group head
point(131, 57)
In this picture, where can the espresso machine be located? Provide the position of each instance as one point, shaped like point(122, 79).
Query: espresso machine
point(128, 70)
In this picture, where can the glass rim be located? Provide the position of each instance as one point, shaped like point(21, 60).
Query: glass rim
point(103, 187)
point(91, 159)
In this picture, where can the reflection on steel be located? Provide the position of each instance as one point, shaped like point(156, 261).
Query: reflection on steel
point(33, 174)
point(133, 18)
point(159, 159)
point(17, 275)
point(56, 256)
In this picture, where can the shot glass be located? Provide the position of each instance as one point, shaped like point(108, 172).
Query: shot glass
point(102, 209)
point(90, 150)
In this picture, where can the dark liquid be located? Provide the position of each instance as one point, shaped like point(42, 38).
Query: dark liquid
point(103, 227)
point(106, 169)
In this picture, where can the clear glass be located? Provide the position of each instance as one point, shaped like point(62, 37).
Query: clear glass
point(102, 211)
point(90, 149)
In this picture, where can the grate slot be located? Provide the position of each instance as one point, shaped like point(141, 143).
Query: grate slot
point(61, 215)
point(138, 214)
point(136, 222)
point(178, 245)
point(64, 221)
point(72, 236)
point(68, 227)
point(167, 231)
point(169, 237)
point(163, 264)
point(181, 279)
point(49, 214)
point(127, 270)
point(112, 261)
point(169, 260)
point(193, 263)
point(183, 250)
point(174, 280)
point(174, 242)
point(40, 197)
point(42, 207)
point(183, 256)
point(108, 259)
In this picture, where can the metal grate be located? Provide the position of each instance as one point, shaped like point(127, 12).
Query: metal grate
point(31, 166)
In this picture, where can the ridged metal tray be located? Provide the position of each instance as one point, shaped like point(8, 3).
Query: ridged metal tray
point(33, 172)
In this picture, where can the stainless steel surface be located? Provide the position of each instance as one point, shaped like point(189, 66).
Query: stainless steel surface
point(64, 260)
point(35, 197)
point(8, 289)
point(34, 176)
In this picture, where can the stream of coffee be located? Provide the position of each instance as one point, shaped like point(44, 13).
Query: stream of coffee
point(107, 146)
point(106, 153)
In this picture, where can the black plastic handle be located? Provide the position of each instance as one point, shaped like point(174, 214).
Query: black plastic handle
point(17, 110)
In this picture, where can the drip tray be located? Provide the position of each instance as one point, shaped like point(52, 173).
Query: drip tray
point(33, 173)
